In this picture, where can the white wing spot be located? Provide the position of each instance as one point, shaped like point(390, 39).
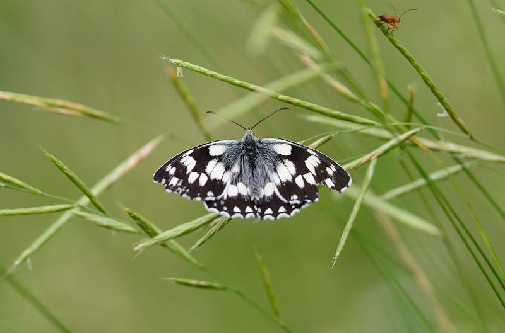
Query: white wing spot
point(269, 211)
point(276, 178)
point(294, 197)
point(173, 181)
point(268, 190)
point(210, 166)
point(192, 177)
point(282, 209)
point(290, 166)
point(203, 179)
point(217, 150)
point(283, 172)
point(330, 172)
point(282, 149)
point(236, 168)
point(248, 209)
point(217, 172)
point(312, 162)
point(329, 183)
point(309, 178)
point(299, 181)
point(232, 190)
point(242, 189)
point(236, 209)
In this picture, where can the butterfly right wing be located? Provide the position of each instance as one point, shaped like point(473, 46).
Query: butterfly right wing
point(199, 173)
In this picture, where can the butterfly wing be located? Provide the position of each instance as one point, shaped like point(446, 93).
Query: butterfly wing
point(298, 169)
point(199, 173)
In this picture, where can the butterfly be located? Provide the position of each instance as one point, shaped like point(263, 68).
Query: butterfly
point(253, 177)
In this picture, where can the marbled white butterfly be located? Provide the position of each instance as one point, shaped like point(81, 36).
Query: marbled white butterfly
point(252, 177)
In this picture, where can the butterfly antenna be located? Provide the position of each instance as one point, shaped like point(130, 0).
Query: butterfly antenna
point(407, 11)
point(393, 9)
point(217, 114)
point(271, 114)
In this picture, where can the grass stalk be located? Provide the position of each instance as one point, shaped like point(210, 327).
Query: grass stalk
point(198, 284)
point(18, 183)
point(267, 283)
point(35, 210)
point(107, 222)
point(216, 227)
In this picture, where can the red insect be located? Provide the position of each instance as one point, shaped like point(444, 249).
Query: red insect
point(391, 20)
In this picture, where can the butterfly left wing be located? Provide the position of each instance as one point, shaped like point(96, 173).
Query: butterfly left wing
point(199, 173)
point(298, 169)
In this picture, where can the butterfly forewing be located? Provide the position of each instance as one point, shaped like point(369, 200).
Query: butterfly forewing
point(198, 173)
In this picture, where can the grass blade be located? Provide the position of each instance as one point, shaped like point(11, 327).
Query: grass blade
point(385, 148)
point(99, 187)
point(423, 74)
point(218, 225)
point(395, 212)
point(151, 230)
point(291, 40)
point(355, 209)
point(16, 182)
point(190, 103)
point(35, 210)
point(443, 146)
point(258, 41)
point(283, 98)
point(421, 182)
point(178, 231)
point(58, 106)
point(198, 284)
point(267, 283)
point(107, 222)
point(75, 179)
point(34, 301)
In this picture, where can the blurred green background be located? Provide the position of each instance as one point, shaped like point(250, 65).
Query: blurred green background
point(106, 54)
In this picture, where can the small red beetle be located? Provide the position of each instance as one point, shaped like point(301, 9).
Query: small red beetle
point(391, 20)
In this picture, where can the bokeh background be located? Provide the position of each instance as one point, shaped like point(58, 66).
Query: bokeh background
point(107, 54)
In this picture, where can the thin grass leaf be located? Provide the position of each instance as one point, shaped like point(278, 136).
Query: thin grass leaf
point(260, 34)
point(408, 111)
point(355, 209)
point(499, 12)
point(319, 142)
point(107, 222)
point(216, 227)
point(99, 187)
point(291, 40)
point(18, 183)
point(151, 230)
point(423, 74)
point(485, 192)
point(393, 211)
point(190, 103)
point(75, 179)
point(198, 284)
point(35, 210)
point(178, 231)
point(58, 106)
point(250, 101)
point(385, 148)
point(421, 182)
point(34, 301)
point(267, 283)
point(487, 49)
point(444, 146)
point(283, 98)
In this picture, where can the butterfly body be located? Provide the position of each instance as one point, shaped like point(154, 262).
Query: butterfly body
point(252, 177)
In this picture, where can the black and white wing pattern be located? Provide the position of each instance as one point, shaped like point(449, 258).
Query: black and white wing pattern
point(199, 173)
point(263, 178)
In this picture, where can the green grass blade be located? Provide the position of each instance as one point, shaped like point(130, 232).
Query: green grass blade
point(58, 106)
point(355, 209)
point(485, 192)
point(107, 222)
point(151, 230)
point(34, 301)
point(260, 34)
point(423, 74)
point(393, 211)
point(283, 98)
point(16, 182)
point(421, 182)
point(292, 41)
point(198, 284)
point(190, 103)
point(178, 231)
point(35, 210)
point(218, 225)
point(99, 187)
point(76, 180)
point(383, 149)
point(267, 283)
point(487, 49)
point(443, 146)
point(250, 101)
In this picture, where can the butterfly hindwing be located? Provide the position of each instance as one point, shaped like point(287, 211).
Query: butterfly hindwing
point(198, 173)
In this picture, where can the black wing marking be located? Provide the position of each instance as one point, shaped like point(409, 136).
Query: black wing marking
point(298, 169)
point(198, 173)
